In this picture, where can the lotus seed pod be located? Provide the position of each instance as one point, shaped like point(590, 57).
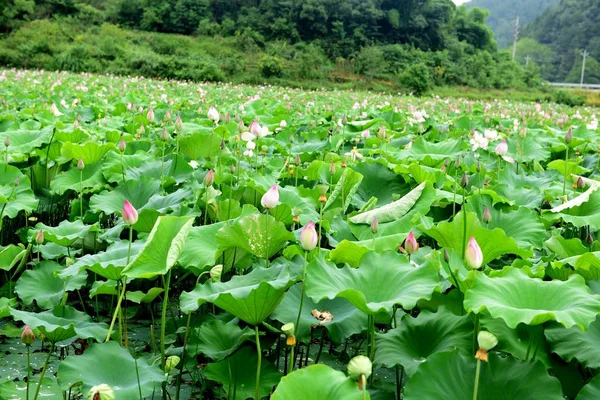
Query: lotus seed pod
point(487, 340)
point(288, 329)
point(216, 272)
point(101, 392)
point(358, 366)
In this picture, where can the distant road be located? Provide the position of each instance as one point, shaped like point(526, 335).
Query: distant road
point(576, 86)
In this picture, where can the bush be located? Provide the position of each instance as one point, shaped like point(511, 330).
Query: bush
point(417, 79)
point(569, 99)
point(271, 67)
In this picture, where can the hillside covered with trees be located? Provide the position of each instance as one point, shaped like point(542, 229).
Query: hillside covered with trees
point(415, 43)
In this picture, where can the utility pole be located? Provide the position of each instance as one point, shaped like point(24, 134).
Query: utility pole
point(527, 58)
point(514, 52)
point(585, 54)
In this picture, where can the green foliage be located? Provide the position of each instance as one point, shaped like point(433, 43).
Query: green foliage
point(567, 98)
point(270, 67)
point(417, 79)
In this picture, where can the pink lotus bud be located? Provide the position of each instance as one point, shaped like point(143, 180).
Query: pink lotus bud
point(569, 136)
point(28, 337)
point(39, 238)
point(473, 254)
point(7, 141)
point(130, 214)
point(122, 146)
point(309, 237)
point(464, 180)
point(150, 115)
point(213, 115)
point(410, 244)
point(487, 215)
point(297, 160)
point(178, 123)
point(255, 128)
point(502, 148)
point(332, 168)
point(374, 225)
point(283, 124)
point(271, 198)
point(164, 135)
point(209, 178)
point(382, 134)
point(80, 164)
point(168, 115)
point(365, 134)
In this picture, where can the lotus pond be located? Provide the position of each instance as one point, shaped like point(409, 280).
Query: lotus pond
point(172, 240)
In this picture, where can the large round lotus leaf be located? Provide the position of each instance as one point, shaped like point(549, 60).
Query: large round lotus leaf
point(15, 199)
point(62, 323)
point(347, 319)
point(16, 390)
point(318, 382)
point(380, 282)
point(45, 287)
point(113, 365)
point(237, 374)
point(572, 343)
point(217, 339)
point(251, 298)
point(516, 299)
point(416, 339)
point(24, 141)
point(451, 376)
point(65, 234)
point(74, 179)
point(591, 391)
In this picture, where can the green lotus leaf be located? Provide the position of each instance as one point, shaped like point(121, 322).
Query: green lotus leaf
point(110, 364)
point(381, 281)
point(237, 374)
point(348, 253)
point(24, 141)
point(200, 144)
point(200, 248)
point(251, 298)
point(379, 182)
point(16, 198)
point(588, 213)
point(417, 339)
point(16, 390)
point(217, 339)
point(161, 249)
point(141, 297)
point(586, 265)
point(43, 284)
point(392, 211)
point(258, 234)
point(62, 323)
point(347, 319)
point(65, 234)
point(516, 299)
point(493, 243)
point(90, 152)
point(421, 148)
point(10, 256)
point(109, 263)
point(104, 287)
point(74, 179)
point(565, 248)
point(5, 305)
point(591, 391)
point(318, 382)
point(345, 188)
point(451, 376)
point(138, 192)
point(572, 343)
point(296, 199)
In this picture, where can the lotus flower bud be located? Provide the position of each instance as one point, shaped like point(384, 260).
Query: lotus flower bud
point(255, 128)
point(241, 126)
point(122, 146)
point(130, 214)
point(27, 337)
point(579, 184)
point(589, 239)
point(39, 238)
point(309, 237)
point(410, 244)
point(168, 115)
point(365, 134)
point(332, 168)
point(374, 225)
point(523, 133)
point(297, 160)
point(164, 135)
point(150, 115)
point(216, 272)
point(569, 136)
point(457, 162)
point(227, 118)
point(359, 366)
point(213, 115)
point(101, 392)
point(271, 198)
point(344, 119)
point(446, 256)
point(80, 164)
point(473, 254)
point(178, 123)
point(464, 180)
point(382, 134)
point(171, 362)
point(502, 148)
point(487, 215)
point(209, 178)
point(7, 142)
point(288, 330)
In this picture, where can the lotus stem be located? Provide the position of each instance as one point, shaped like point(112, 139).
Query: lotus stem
point(185, 339)
point(364, 385)
point(81, 194)
point(464, 211)
point(117, 310)
point(39, 385)
point(321, 224)
point(565, 174)
point(163, 318)
point(301, 296)
point(267, 236)
point(455, 189)
point(475, 332)
point(28, 368)
point(477, 373)
point(258, 364)
point(206, 205)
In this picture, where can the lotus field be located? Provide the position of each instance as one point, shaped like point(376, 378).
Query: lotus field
point(171, 240)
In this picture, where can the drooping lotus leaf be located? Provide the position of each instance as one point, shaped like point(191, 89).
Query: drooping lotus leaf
point(258, 234)
point(43, 284)
point(451, 376)
point(392, 211)
point(109, 263)
point(140, 297)
point(381, 281)
point(138, 192)
point(517, 298)
point(237, 374)
point(251, 298)
point(113, 365)
point(348, 253)
point(318, 382)
point(417, 339)
point(200, 248)
point(65, 234)
point(345, 188)
point(62, 323)
point(572, 343)
point(493, 243)
point(587, 213)
point(217, 339)
point(347, 319)
point(15, 198)
point(591, 391)
point(90, 152)
point(161, 249)
point(10, 256)
point(380, 182)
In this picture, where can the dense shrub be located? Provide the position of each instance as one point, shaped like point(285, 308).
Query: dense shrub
point(271, 67)
point(569, 99)
point(417, 79)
